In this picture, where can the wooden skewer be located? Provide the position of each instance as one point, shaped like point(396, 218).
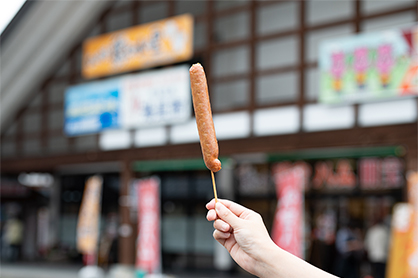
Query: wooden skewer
point(214, 187)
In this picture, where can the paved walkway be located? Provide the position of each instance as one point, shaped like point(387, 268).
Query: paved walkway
point(18, 270)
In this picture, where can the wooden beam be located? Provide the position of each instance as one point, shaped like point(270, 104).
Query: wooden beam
point(405, 134)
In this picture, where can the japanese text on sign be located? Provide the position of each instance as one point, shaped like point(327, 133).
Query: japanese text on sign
point(153, 44)
point(153, 98)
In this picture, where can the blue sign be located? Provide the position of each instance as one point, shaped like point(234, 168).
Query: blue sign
point(92, 107)
point(133, 101)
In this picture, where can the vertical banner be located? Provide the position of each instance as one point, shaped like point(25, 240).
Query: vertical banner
point(288, 222)
point(413, 200)
point(43, 231)
point(89, 217)
point(148, 256)
point(400, 246)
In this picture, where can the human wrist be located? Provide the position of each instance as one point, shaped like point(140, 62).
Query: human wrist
point(269, 261)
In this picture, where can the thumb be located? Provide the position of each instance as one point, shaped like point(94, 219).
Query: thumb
point(226, 215)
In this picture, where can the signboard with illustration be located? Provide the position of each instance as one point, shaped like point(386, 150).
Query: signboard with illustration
point(153, 44)
point(369, 66)
point(133, 101)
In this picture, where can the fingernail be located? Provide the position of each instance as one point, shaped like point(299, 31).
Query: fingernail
point(225, 227)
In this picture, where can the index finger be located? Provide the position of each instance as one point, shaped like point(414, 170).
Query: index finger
point(232, 206)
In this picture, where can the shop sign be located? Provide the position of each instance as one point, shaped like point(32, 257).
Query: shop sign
point(372, 174)
point(133, 101)
point(342, 178)
point(380, 173)
point(89, 216)
point(148, 255)
point(92, 107)
point(153, 44)
point(156, 98)
point(288, 221)
point(36, 179)
point(369, 66)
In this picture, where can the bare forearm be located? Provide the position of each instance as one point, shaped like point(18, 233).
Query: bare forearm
point(281, 264)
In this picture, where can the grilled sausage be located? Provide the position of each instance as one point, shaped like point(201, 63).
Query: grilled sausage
point(204, 120)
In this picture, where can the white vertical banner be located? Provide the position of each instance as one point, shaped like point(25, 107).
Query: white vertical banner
point(89, 217)
point(148, 255)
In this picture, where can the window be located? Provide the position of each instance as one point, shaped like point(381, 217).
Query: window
point(276, 88)
point(231, 61)
point(152, 12)
point(230, 95)
point(320, 11)
point(119, 21)
point(277, 17)
point(31, 122)
point(276, 53)
point(232, 27)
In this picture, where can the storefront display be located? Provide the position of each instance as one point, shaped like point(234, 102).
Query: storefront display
point(338, 190)
point(291, 86)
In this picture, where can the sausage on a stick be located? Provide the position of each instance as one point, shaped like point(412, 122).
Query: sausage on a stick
point(204, 120)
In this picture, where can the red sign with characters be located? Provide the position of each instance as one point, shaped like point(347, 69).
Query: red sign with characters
point(148, 255)
point(381, 173)
point(288, 223)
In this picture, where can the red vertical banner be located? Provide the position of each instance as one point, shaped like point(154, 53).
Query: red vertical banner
point(148, 255)
point(288, 222)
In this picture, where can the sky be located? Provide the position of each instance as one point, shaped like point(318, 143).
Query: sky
point(8, 9)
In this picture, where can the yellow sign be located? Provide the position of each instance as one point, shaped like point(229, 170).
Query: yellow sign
point(88, 219)
point(148, 45)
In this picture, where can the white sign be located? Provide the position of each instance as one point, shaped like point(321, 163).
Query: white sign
point(36, 179)
point(156, 98)
point(153, 98)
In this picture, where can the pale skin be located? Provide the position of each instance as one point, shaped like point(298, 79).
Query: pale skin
point(242, 232)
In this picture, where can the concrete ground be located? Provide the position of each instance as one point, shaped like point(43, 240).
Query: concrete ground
point(18, 270)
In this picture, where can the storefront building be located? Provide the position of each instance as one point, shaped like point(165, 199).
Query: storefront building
point(262, 60)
